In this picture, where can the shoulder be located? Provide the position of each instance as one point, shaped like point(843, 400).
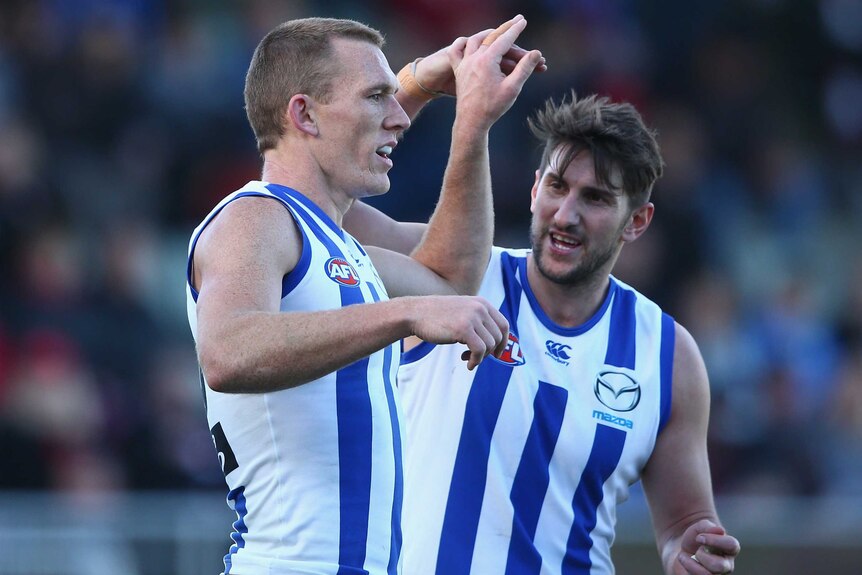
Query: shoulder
point(249, 230)
point(690, 380)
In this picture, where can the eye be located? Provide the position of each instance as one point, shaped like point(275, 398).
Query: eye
point(555, 184)
point(376, 97)
point(598, 197)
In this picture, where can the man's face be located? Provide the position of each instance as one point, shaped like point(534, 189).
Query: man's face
point(361, 123)
point(578, 225)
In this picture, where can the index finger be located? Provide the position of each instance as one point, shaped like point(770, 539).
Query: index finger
point(489, 39)
point(720, 544)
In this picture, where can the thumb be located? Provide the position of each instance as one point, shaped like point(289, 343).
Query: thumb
point(524, 69)
point(456, 54)
point(707, 526)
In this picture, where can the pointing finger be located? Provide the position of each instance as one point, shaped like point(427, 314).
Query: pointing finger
point(489, 39)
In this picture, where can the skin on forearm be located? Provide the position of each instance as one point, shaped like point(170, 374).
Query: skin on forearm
point(245, 352)
point(458, 238)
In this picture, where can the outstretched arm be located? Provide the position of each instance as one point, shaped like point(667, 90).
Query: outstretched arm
point(676, 479)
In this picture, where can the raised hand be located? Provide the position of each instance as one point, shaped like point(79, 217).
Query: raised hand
point(434, 72)
point(485, 92)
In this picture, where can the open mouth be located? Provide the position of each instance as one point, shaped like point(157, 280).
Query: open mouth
point(563, 242)
point(384, 151)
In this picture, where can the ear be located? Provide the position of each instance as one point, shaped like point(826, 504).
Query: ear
point(638, 222)
point(535, 190)
point(301, 114)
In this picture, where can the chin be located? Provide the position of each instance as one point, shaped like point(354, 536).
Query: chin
point(379, 188)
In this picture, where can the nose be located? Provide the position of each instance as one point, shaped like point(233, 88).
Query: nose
point(396, 119)
point(568, 212)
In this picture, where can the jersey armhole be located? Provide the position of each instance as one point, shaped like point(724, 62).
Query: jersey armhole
point(416, 353)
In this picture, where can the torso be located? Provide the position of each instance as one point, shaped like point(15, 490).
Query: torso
point(517, 467)
point(314, 472)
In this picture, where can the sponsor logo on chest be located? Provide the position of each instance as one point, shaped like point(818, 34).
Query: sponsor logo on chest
point(618, 392)
point(341, 272)
point(512, 355)
point(559, 352)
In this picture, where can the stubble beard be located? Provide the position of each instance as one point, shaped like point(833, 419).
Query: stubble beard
point(580, 274)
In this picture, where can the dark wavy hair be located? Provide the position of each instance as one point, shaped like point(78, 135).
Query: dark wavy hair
point(615, 135)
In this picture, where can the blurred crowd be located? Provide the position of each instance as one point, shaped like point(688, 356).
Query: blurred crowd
point(122, 124)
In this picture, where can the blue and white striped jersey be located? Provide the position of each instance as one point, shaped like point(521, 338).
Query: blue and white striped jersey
point(517, 467)
point(314, 472)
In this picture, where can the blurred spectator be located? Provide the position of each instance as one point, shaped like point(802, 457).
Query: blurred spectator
point(121, 123)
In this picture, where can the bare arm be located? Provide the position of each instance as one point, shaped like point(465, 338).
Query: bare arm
point(374, 228)
point(677, 479)
point(431, 75)
point(245, 344)
point(458, 239)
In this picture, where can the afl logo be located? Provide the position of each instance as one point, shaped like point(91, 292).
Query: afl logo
point(617, 391)
point(339, 270)
point(512, 354)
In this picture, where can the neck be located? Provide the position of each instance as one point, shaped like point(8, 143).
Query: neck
point(280, 167)
point(568, 305)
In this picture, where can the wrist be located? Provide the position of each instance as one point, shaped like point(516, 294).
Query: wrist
point(470, 130)
point(413, 87)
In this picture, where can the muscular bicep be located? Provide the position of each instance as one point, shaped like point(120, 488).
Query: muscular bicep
point(404, 276)
point(239, 262)
point(676, 478)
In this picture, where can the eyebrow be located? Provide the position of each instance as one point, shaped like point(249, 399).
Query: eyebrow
point(551, 173)
point(384, 87)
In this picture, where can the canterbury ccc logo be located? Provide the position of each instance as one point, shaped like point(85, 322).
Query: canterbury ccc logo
point(512, 354)
point(617, 391)
point(558, 350)
point(340, 271)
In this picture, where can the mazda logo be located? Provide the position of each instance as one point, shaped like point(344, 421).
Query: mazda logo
point(617, 391)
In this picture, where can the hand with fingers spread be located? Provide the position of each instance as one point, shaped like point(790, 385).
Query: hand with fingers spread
point(706, 549)
point(469, 320)
point(434, 72)
point(485, 91)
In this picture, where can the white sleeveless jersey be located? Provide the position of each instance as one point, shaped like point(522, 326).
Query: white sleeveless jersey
point(517, 467)
point(314, 472)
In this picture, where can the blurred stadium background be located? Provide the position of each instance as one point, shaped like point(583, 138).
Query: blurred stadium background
point(121, 124)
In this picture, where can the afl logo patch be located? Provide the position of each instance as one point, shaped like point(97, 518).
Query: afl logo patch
point(617, 391)
point(512, 354)
point(340, 271)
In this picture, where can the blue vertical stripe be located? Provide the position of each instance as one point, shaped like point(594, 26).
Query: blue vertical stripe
point(621, 340)
point(605, 455)
point(668, 341)
point(531, 479)
point(512, 302)
point(608, 442)
point(467, 489)
point(236, 499)
point(398, 499)
point(353, 409)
